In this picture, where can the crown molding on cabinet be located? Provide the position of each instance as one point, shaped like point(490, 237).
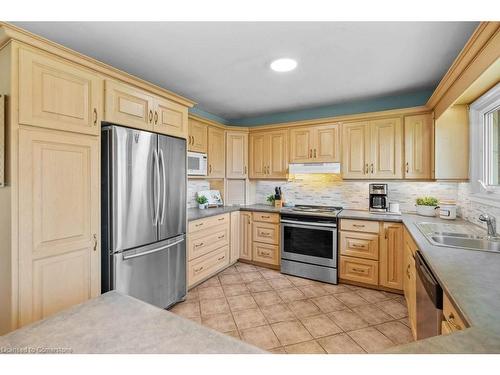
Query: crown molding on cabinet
point(481, 51)
point(10, 32)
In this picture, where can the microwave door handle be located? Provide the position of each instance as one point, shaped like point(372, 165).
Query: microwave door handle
point(164, 183)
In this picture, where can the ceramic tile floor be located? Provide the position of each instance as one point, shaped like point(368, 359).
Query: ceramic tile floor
point(286, 314)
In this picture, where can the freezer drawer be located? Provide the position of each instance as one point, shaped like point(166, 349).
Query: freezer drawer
point(154, 274)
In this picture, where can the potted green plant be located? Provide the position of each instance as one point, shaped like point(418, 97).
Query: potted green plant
point(202, 202)
point(426, 206)
point(270, 199)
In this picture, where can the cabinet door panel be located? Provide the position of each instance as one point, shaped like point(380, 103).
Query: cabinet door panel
point(216, 153)
point(327, 143)
point(356, 148)
point(418, 146)
point(301, 145)
point(391, 256)
point(386, 148)
point(170, 118)
point(246, 235)
point(126, 105)
point(59, 250)
point(58, 95)
point(235, 237)
point(259, 153)
point(278, 161)
point(237, 154)
point(197, 136)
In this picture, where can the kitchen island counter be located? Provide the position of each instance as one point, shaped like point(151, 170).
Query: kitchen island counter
point(115, 323)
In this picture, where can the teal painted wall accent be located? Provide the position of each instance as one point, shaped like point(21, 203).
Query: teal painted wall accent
point(209, 116)
point(384, 103)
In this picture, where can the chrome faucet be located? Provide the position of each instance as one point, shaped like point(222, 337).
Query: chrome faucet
point(491, 223)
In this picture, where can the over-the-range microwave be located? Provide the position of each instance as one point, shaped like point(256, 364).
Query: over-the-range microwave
point(196, 164)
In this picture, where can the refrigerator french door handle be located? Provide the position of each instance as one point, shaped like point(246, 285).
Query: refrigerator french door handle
point(126, 257)
point(164, 181)
point(156, 195)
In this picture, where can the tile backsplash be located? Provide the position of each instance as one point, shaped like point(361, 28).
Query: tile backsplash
point(192, 187)
point(470, 210)
point(354, 194)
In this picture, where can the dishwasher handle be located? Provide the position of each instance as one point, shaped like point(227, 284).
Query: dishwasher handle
point(431, 285)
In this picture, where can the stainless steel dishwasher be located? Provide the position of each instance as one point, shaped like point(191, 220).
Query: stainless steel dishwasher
point(429, 300)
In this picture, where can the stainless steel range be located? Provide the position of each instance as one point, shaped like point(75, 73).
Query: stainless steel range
point(309, 242)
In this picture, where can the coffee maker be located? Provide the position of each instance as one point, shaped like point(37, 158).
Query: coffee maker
point(378, 198)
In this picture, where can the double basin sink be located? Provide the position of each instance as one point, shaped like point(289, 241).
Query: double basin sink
point(459, 235)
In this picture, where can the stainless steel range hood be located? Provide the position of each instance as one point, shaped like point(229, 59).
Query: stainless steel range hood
point(314, 168)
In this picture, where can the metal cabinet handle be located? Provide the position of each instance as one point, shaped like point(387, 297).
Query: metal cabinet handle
point(196, 270)
point(198, 225)
point(265, 254)
point(315, 153)
point(95, 241)
point(199, 244)
point(221, 237)
point(210, 168)
point(150, 116)
point(358, 225)
point(95, 116)
point(358, 246)
point(222, 257)
point(358, 270)
point(245, 170)
point(407, 167)
point(156, 118)
point(265, 216)
point(310, 153)
point(371, 168)
point(366, 168)
point(408, 271)
point(221, 219)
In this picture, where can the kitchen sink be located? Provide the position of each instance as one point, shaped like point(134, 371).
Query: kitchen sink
point(461, 236)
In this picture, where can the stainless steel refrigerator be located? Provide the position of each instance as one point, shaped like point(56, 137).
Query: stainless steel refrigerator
point(143, 215)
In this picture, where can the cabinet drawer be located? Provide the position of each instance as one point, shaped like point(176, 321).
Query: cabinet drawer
point(265, 253)
point(361, 245)
point(266, 233)
point(360, 270)
point(360, 225)
point(207, 265)
point(205, 241)
point(208, 222)
point(452, 319)
point(266, 217)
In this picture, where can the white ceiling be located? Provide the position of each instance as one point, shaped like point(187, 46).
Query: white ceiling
point(225, 66)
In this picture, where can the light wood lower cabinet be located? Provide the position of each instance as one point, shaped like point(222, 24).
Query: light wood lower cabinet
point(452, 322)
point(56, 94)
point(265, 253)
point(410, 280)
point(59, 251)
point(372, 253)
point(235, 237)
point(245, 235)
point(359, 270)
point(207, 265)
point(391, 256)
point(208, 247)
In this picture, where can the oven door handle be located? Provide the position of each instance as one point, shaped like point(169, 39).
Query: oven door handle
point(309, 223)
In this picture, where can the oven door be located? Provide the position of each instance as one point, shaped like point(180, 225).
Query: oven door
point(309, 242)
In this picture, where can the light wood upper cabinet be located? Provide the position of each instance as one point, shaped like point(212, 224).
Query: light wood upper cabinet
point(315, 144)
point(59, 251)
point(57, 94)
point(216, 153)
point(259, 149)
point(130, 106)
point(372, 149)
point(170, 118)
point(301, 145)
point(236, 154)
point(391, 256)
point(278, 154)
point(418, 140)
point(386, 148)
point(245, 235)
point(356, 150)
point(197, 136)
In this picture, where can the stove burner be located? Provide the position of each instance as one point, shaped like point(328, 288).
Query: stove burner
point(306, 209)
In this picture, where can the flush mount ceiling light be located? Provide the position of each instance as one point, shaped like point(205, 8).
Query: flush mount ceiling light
point(283, 65)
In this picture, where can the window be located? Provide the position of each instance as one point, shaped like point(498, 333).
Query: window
point(485, 145)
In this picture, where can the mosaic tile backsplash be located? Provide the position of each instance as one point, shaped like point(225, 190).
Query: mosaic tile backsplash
point(192, 187)
point(354, 194)
point(470, 210)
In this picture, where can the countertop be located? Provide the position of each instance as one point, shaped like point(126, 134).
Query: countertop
point(115, 323)
point(472, 280)
point(367, 215)
point(196, 213)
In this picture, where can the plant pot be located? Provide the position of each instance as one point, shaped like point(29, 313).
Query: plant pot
point(202, 206)
point(426, 210)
